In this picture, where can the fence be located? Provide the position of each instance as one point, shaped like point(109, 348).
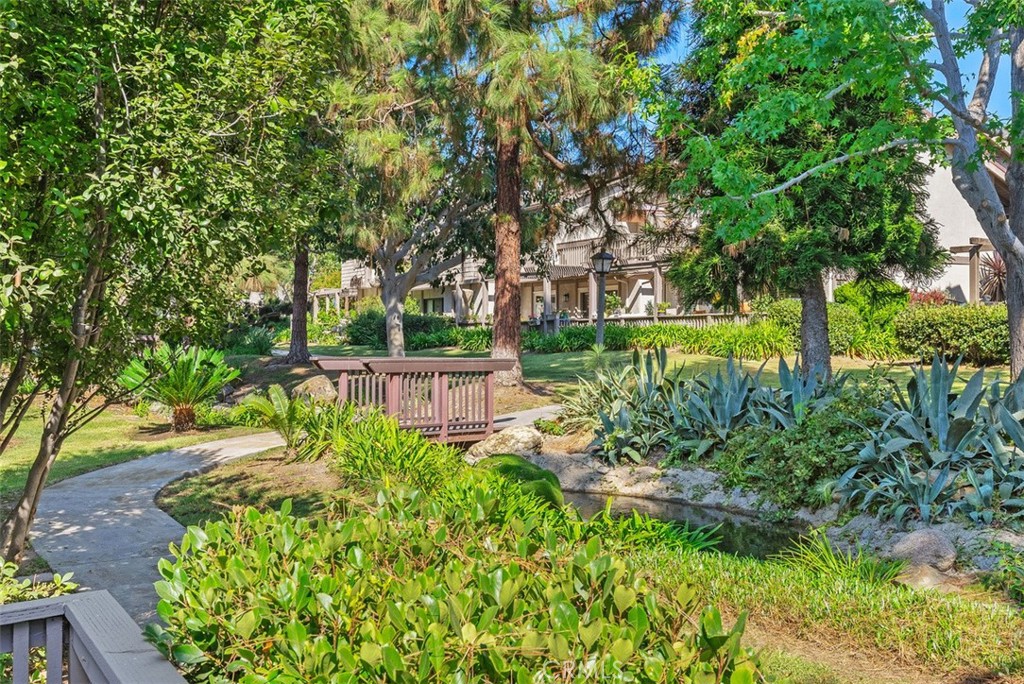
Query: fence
point(89, 639)
point(449, 399)
point(636, 321)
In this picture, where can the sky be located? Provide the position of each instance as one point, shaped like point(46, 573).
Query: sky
point(956, 15)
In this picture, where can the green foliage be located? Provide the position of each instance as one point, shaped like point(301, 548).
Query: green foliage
point(472, 600)
point(328, 428)
point(278, 412)
point(534, 480)
point(180, 378)
point(941, 453)
point(819, 557)
point(1008, 575)
point(370, 328)
point(13, 589)
point(251, 341)
point(876, 302)
point(326, 328)
point(978, 333)
point(549, 427)
point(468, 339)
point(846, 328)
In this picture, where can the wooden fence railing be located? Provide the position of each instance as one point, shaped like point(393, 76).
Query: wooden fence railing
point(89, 639)
point(449, 399)
point(701, 320)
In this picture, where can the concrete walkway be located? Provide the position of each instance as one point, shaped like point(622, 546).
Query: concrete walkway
point(105, 527)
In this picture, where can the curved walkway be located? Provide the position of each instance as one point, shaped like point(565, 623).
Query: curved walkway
point(105, 527)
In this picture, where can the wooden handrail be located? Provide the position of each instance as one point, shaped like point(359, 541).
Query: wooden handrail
point(103, 644)
point(449, 399)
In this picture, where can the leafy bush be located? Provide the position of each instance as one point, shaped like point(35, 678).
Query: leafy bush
point(760, 340)
point(549, 427)
point(877, 303)
point(794, 467)
point(941, 453)
point(413, 591)
point(475, 338)
point(280, 413)
point(326, 328)
point(180, 378)
point(369, 328)
point(252, 341)
point(978, 333)
point(13, 590)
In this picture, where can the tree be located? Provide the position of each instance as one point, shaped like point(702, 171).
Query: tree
point(797, 58)
point(416, 165)
point(140, 143)
point(830, 222)
point(546, 85)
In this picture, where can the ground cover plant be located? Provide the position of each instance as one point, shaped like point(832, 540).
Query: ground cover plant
point(506, 581)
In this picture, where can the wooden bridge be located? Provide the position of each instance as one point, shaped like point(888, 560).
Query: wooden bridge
point(451, 400)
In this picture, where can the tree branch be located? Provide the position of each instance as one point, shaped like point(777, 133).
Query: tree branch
point(842, 159)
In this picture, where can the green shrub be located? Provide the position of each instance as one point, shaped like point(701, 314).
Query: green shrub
point(978, 333)
point(549, 427)
point(414, 591)
point(253, 341)
point(877, 303)
point(180, 378)
point(280, 413)
point(844, 323)
point(475, 339)
point(13, 589)
point(760, 340)
point(793, 467)
point(533, 479)
point(369, 328)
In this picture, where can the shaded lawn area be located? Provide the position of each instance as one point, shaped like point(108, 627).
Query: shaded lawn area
point(115, 436)
point(263, 481)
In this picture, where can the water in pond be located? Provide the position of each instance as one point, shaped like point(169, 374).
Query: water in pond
point(738, 534)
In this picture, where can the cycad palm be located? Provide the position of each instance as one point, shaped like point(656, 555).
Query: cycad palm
point(183, 379)
point(278, 412)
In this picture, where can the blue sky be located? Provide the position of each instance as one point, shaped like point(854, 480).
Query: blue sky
point(956, 13)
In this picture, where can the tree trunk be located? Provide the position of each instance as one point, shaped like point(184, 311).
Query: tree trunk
point(814, 352)
point(393, 294)
point(298, 349)
point(508, 232)
point(1015, 311)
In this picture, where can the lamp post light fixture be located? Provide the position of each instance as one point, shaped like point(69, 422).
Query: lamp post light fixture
point(602, 262)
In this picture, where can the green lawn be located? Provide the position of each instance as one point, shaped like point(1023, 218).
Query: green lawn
point(559, 371)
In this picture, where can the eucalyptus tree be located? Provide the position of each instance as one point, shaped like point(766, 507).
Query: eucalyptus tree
point(545, 81)
point(140, 142)
point(797, 58)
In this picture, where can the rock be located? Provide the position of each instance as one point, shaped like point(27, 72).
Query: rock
point(924, 547)
point(318, 389)
point(926, 577)
point(225, 393)
point(520, 440)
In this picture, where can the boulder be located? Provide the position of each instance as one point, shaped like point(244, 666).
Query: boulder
point(520, 440)
point(318, 389)
point(926, 577)
point(924, 547)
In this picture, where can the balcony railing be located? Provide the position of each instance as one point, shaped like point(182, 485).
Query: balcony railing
point(89, 639)
point(626, 248)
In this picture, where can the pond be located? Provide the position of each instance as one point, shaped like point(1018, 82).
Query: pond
point(738, 534)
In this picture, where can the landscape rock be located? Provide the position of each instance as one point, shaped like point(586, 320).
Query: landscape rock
point(926, 577)
point(925, 547)
point(521, 440)
point(318, 388)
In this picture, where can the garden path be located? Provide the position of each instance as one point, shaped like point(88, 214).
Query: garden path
point(105, 527)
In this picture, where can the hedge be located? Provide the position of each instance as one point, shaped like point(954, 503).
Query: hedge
point(980, 333)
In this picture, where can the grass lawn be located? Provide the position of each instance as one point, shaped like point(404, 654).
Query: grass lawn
point(558, 372)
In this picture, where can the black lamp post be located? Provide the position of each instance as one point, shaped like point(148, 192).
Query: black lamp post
point(602, 263)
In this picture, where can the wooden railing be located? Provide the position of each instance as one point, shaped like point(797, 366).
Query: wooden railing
point(451, 400)
point(89, 639)
point(626, 248)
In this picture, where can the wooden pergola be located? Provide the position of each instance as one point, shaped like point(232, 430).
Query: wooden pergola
point(973, 262)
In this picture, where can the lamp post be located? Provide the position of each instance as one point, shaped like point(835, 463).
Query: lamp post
point(602, 263)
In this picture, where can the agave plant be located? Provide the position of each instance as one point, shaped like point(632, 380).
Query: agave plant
point(799, 394)
point(276, 411)
point(183, 379)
